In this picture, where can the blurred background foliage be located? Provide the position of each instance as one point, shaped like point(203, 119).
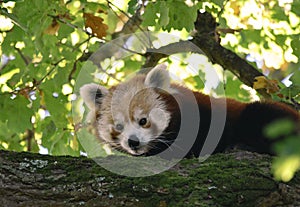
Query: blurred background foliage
point(45, 44)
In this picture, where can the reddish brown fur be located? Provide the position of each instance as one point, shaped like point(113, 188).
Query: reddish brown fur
point(244, 121)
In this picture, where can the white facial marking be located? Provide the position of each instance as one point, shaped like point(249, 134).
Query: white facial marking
point(137, 114)
point(160, 118)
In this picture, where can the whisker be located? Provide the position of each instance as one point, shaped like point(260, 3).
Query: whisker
point(169, 143)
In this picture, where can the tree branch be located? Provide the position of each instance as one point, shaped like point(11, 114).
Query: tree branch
point(235, 179)
point(154, 55)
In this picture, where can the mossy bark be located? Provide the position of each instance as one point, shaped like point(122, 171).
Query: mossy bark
point(231, 179)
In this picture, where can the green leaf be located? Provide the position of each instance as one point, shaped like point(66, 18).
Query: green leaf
point(252, 35)
point(164, 14)
point(56, 105)
point(219, 3)
point(291, 91)
point(64, 31)
point(14, 19)
point(132, 6)
point(177, 10)
point(48, 129)
point(14, 36)
point(279, 128)
point(296, 7)
point(131, 66)
point(285, 166)
point(93, 7)
point(280, 39)
point(295, 77)
point(61, 144)
point(199, 84)
point(150, 14)
point(55, 100)
point(279, 13)
point(233, 89)
point(16, 112)
point(295, 44)
point(37, 71)
point(288, 146)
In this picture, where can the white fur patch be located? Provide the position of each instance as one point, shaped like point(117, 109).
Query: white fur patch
point(160, 118)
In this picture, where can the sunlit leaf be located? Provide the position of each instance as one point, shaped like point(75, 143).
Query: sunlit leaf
point(263, 82)
point(285, 167)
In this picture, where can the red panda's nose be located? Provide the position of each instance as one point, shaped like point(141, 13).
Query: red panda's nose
point(133, 142)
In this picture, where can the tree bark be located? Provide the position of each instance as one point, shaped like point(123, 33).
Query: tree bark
point(230, 179)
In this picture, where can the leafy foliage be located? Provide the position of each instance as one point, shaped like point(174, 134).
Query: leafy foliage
point(44, 50)
point(168, 15)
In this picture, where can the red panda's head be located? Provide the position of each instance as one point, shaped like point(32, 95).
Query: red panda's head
point(134, 115)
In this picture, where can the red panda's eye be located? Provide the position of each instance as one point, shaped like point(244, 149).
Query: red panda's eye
point(143, 122)
point(119, 127)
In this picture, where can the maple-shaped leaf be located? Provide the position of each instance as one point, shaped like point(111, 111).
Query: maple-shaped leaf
point(262, 82)
point(53, 28)
point(95, 24)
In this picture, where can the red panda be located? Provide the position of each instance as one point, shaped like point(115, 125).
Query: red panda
point(143, 117)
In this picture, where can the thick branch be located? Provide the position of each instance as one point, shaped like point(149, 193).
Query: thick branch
point(236, 179)
point(154, 55)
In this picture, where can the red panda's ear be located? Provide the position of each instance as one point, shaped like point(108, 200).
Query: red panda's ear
point(158, 77)
point(92, 95)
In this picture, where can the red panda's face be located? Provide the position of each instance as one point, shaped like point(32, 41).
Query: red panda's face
point(130, 121)
point(132, 115)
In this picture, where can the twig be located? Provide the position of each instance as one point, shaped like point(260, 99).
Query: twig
point(126, 49)
point(26, 61)
point(29, 138)
point(109, 74)
point(48, 73)
point(222, 8)
point(79, 44)
point(70, 77)
point(14, 19)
